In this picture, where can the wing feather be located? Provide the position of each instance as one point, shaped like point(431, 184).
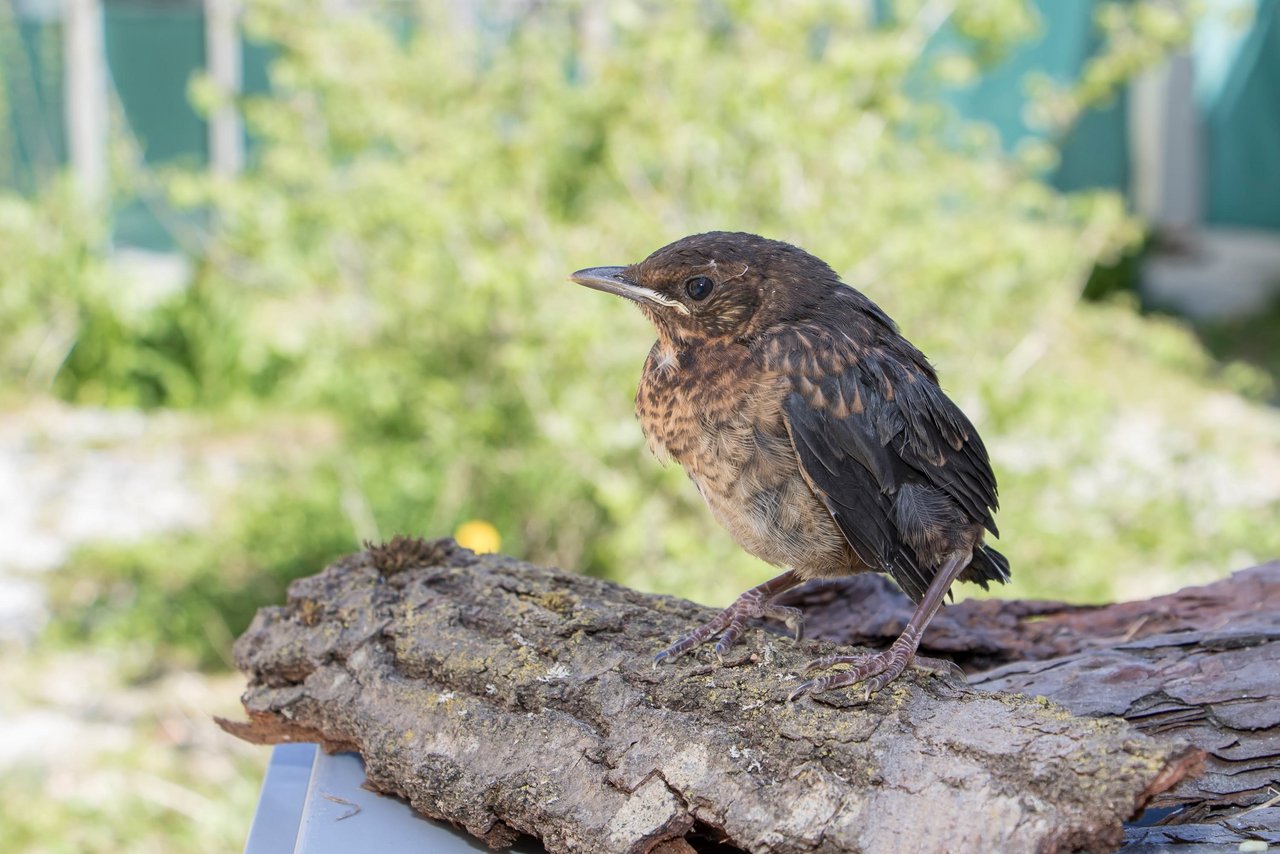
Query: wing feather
point(865, 424)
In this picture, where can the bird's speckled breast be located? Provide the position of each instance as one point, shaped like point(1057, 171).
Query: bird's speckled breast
point(715, 411)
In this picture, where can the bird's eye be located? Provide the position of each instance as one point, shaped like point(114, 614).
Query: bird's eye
point(699, 287)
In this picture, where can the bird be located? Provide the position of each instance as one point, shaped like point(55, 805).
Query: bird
point(817, 435)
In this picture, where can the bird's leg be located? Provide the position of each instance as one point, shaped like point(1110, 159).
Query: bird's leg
point(888, 665)
point(756, 602)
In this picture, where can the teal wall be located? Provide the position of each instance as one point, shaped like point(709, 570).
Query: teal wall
point(32, 131)
point(1238, 95)
point(1095, 151)
point(153, 49)
point(1236, 55)
point(152, 52)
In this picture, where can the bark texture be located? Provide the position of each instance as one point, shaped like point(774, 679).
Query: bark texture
point(510, 698)
point(1201, 664)
point(1228, 835)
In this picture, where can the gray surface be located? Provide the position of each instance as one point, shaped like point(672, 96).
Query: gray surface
point(313, 803)
point(284, 791)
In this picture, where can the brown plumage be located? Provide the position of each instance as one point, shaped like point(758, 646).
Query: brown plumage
point(816, 433)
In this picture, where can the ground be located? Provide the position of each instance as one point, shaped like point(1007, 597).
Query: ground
point(109, 749)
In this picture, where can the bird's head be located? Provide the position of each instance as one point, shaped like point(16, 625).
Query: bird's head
point(719, 285)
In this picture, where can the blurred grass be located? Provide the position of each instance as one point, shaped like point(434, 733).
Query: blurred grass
point(189, 594)
point(136, 767)
point(128, 801)
point(1253, 340)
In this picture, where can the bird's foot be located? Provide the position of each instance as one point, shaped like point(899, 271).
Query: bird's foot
point(883, 666)
point(730, 623)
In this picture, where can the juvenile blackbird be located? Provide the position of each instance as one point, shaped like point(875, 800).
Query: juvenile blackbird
point(816, 433)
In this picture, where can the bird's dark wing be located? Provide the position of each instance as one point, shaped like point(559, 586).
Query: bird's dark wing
point(899, 466)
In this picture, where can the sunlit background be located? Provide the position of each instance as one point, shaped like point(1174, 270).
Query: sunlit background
point(279, 277)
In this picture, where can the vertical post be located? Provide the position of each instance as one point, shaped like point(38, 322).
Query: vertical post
point(1183, 200)
point(224, 61)
point(1166, 147)
point(85, 58)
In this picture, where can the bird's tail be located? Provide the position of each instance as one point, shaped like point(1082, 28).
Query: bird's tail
point(987, 565)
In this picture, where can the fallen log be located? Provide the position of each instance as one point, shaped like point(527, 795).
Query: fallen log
point(508, 698)
point(1202, 664)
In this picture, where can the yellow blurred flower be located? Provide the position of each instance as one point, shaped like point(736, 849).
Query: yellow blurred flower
point(479, 536)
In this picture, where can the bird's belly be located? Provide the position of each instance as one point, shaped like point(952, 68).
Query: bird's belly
point(783, 524)
point(757, 493)
point(737, 450)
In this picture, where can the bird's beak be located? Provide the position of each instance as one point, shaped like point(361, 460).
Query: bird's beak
point(612, 280)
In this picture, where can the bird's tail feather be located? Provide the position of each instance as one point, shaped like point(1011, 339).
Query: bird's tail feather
point(987, 565)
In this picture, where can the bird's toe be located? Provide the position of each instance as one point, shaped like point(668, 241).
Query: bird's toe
point(833, 660)
point(883, 666)
point(788, 615)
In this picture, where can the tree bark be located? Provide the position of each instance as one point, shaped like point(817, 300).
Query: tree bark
point(509, 698)
point(1200, 664)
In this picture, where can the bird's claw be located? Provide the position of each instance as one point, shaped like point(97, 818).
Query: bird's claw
point(730, 624)
point(688, 641)
point(792, 618)
point(883, 666)
point(832, 660)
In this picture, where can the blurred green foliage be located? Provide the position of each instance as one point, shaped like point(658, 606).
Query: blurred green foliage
point(53, 284)
point(1249, 340)
point(190, 594)
point(394, 261)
